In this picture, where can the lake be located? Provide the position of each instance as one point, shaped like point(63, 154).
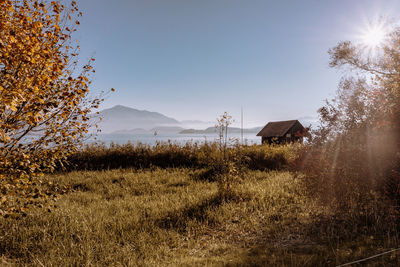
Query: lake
point(152, 139)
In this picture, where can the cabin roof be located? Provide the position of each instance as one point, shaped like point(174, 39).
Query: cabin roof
point(277, 128)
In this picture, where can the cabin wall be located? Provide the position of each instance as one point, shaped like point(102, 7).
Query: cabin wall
point(281, 140)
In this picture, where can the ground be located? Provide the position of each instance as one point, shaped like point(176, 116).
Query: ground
point(168, 217)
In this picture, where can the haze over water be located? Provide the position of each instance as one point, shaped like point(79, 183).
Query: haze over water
point(151, 139)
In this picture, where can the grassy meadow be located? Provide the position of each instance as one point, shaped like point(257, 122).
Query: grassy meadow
point(332, 201)
point(161, 215)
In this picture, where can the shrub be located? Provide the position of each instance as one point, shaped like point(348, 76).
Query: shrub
point(168, 154)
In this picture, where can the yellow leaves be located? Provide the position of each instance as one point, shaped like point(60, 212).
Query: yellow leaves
point(4, 138)
point(13, 107)
point(35, 89)
point(32, 120)
point(12, 39)
point(37, 25)
point(39, 88)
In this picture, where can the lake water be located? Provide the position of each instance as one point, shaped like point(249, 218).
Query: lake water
point(152, 139)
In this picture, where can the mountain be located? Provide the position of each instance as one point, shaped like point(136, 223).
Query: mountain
point(119, 118)
point(195, 131)
point(210, 130)
point(125, 120)
point(158, 130)
point(167, 129)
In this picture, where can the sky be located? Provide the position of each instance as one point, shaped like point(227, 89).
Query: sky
point(193, 60)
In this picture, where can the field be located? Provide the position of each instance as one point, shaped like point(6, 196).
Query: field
point(170, 217)
point(325, 193)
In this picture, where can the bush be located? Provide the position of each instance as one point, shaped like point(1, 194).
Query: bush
point(168, 154)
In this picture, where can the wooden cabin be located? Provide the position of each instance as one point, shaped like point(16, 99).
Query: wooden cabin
point(282, 132)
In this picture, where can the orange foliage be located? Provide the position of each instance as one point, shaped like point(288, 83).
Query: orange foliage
point(44, 105)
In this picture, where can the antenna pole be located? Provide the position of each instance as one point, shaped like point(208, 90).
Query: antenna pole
point(241, 123)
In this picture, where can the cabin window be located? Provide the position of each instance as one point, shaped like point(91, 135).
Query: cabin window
point(288, 135)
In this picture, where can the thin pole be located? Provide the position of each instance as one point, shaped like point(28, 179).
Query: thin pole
point(241, 123)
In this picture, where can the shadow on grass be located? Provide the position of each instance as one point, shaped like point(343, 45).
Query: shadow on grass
point(206, 174)
point(326, 241)
point(180, 219)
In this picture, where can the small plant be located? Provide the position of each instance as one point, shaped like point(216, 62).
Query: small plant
point(226, 163)
point(222, 125)
point(229, 177)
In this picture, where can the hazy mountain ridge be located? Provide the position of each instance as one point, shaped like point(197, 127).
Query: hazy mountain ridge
point(120, 118)
point(215, 130)
point(125, 120)
point(157, 130)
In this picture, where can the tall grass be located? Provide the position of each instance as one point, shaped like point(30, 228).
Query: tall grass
point(168, 154)
point(352, 182)
point(164, 217)
point(181, 205)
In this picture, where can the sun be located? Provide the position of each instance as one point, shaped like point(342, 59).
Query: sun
point(374, 34)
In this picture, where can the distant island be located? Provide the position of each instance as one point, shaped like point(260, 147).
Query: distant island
point(159, 130)
point(210, 130)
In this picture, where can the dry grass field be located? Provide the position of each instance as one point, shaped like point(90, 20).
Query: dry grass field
point(331, 198)
point(169, 217)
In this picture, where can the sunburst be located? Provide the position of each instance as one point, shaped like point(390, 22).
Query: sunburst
point(374, 35)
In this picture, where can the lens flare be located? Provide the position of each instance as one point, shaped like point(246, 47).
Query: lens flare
point(374, 35)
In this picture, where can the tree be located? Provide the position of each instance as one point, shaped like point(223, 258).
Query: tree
point(368, 97)
point(44, 103)
point(358, 141)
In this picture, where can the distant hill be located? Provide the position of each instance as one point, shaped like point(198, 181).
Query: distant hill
point(214, 130)
point(120, 118)
point(158, 130)
point(167, 129)
point(196, 131)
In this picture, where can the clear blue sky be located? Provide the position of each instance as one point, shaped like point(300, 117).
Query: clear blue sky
point(192, 59)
